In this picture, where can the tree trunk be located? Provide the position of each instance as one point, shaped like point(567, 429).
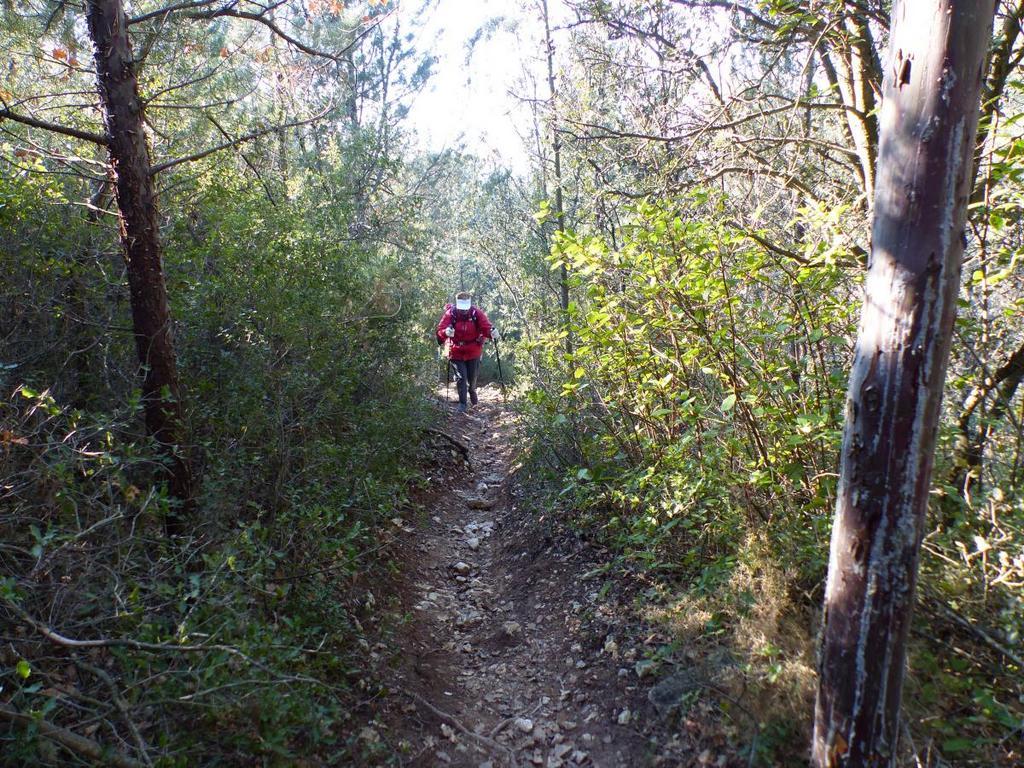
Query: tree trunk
point(556, 151)
point(140, 239)
point(928, 125)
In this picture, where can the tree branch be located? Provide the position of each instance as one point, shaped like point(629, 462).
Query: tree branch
point(234, 142)
point(64, 130)
point(259, 18)
point(169, 9)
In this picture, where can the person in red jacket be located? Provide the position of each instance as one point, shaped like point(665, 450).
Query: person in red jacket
point(464, 328)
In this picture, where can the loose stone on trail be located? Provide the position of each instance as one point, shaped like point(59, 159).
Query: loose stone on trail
point(524, 724)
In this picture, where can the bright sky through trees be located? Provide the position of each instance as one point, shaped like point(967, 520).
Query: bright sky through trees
point(483, 51)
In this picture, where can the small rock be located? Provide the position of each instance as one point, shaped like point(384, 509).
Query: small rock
point(481, 488)
point(481, 503)
point(512, 628)
point(644, 667)
point(624, 717)
point(524, 724)
point(462, 568)
point(562, 750)
point(473, 543)
point(669, 693)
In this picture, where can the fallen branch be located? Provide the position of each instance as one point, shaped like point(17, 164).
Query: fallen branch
point(491, 744)
point(978, 632)
point(463, 448)
point(80, 745)
point(138, 645)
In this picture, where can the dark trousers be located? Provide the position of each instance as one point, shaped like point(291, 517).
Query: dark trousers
point(465, 378)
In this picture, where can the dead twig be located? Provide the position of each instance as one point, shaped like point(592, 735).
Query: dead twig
point(509, 720)
point(122, 707)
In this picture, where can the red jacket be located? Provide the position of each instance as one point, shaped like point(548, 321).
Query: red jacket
point(468, 342)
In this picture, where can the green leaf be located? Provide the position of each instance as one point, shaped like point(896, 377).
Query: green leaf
point(23, 669)
point(728, 403)
point(957, 745)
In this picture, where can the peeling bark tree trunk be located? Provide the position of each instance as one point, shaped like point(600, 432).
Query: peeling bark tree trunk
point(140, 239)
point(928, 126)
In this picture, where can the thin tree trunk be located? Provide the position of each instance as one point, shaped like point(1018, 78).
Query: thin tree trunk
point(928, 126)
point(556, 149)
point(970, 448)
point(140, 239)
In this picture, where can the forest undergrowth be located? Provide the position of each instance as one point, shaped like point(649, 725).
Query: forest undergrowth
point(240, 640)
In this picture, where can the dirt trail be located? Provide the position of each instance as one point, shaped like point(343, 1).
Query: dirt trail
point(509, 657)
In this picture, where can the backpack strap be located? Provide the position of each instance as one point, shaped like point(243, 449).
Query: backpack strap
point(472, 316)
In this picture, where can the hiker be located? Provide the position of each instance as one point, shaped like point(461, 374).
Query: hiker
point(464, 328)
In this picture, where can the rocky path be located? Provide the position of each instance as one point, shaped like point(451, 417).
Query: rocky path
point(508, 657)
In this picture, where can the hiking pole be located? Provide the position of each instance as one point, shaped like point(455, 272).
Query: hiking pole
point(501, 377)
point(440, 361)
point(447, 380)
